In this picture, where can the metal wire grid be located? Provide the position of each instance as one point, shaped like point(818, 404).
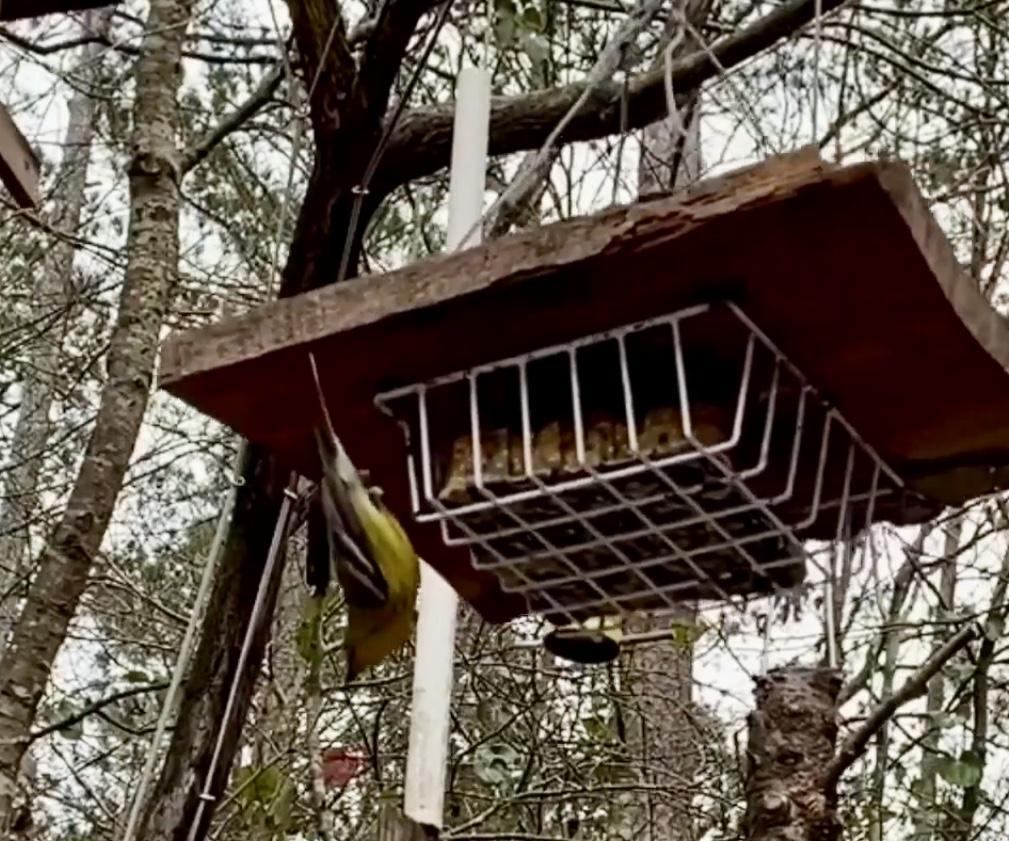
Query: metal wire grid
point(647, 531)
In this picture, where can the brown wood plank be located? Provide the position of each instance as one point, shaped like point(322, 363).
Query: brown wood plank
point(844, 268)
point(19, 167)
point(18, 9)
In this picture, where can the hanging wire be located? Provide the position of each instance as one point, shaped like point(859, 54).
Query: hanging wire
point(817, 39)
point(830, 606)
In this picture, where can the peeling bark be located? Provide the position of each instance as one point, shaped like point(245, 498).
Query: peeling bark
point(793, 733)
point(151, 269)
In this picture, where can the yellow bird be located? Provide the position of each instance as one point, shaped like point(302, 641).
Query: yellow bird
point(373, 559)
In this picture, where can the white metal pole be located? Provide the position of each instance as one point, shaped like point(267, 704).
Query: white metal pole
point(427, 757)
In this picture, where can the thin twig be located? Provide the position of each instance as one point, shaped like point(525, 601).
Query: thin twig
point(233, 121)
point(95, 707)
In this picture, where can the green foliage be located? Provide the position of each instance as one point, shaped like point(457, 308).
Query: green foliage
point(963, 772)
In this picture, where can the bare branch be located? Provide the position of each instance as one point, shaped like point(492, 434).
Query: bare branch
point(421, 143)
point(96, 706)
point(257, 99)
point(856, 743)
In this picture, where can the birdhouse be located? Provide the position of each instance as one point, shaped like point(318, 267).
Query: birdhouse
point(673, 400)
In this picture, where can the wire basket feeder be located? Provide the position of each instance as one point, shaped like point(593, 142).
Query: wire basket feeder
point(630, 470)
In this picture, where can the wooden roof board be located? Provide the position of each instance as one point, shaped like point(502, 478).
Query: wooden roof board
point(19, 166)
point(845, 269)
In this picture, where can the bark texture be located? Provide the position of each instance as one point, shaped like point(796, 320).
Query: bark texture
point(792, 739)
point(52, 297)
point(151, 269)
point(663, 730)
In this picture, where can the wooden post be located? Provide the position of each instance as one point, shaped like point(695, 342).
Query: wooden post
point(793, 733)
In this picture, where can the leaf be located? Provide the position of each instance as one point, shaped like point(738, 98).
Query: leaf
point(504, 31)
point(536, 47)
point(597, 729)
point(505, 22)
point(283, 805)
point(687, 633)
point(994, 628)
point(136, 676)
point(919, 790)
point(943, 720)
point(495, 763)
point(959, 672)
point(964, 772)
point(532, 19)
point(258, 785)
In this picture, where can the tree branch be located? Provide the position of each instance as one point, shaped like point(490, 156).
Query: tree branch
point(199, 151)
point(50, 48)
point(856, 743)
point(384, 48)
point(420, 145)
point(95, 707)
point(326, 61)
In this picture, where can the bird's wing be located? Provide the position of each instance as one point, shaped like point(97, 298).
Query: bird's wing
point(360, 576)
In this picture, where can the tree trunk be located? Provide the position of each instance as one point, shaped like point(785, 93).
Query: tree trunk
point(51, 296)
point(151, 269)
point(663, 733)
point(793, 733)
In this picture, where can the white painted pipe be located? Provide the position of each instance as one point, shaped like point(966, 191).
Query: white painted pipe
point(427, 755)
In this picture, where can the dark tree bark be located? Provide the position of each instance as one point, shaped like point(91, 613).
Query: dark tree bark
point(793, 734)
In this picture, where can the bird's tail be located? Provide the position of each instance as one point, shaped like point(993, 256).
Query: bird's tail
point(331, 449)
